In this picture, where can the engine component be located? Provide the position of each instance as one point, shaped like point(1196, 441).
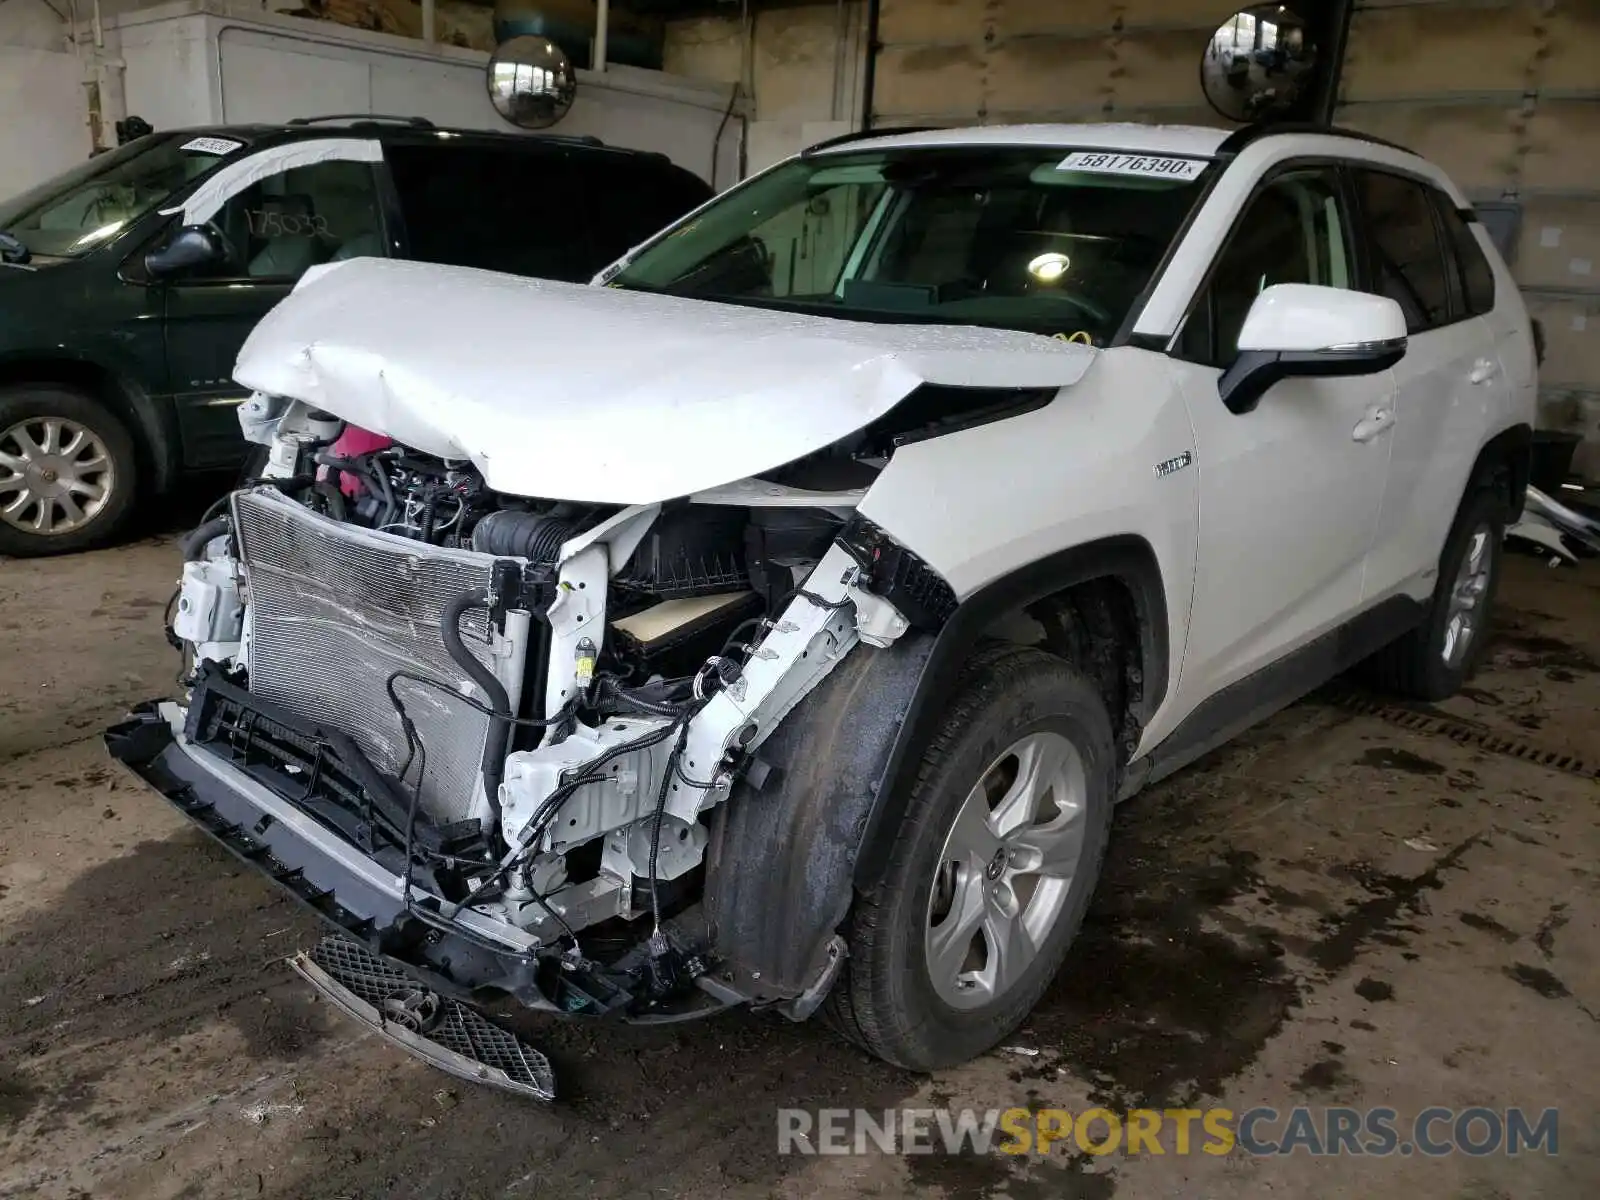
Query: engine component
point(209, 613)
point(542, 875)
point(335, 609)
point(675, 637)
point(627, 792)
point(690, 551)
point(537, 537)
point(683, 844)
point(782, 545)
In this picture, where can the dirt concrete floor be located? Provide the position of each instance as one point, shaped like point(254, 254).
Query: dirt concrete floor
point(1334, 910)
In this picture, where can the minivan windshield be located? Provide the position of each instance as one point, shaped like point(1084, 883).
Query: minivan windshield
point(1044, 240)
point(80, 209)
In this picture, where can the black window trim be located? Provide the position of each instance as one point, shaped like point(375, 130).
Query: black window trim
point(1355, 256)
point(1430, 189)
point(1443, 208)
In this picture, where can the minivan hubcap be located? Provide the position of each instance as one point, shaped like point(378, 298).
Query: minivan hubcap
point(1468, 596)
point(1006, 869)
point(55, 475)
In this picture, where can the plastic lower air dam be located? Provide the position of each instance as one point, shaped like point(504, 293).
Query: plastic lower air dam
point(494, 746)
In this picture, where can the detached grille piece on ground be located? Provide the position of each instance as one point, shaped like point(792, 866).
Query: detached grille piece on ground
point(442, 1032)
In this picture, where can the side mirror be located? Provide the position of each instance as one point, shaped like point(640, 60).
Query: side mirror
point(1300, 329)
point(189, 247)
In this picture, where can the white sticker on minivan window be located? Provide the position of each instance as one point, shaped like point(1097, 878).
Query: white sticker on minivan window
point(211, 145)
point(1151, 166)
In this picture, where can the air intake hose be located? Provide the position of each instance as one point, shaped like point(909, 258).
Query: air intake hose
point(494, 746)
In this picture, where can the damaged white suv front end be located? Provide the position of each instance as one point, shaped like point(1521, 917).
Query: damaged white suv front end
point(479, 689)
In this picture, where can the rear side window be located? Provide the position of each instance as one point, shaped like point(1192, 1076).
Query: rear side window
point(514, 210)
point(1477, 277)
point(633, 198)
point(1408, 262)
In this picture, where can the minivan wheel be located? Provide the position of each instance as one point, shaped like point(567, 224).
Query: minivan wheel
point(990, 870)
point(1433, 660)
point(68, 472)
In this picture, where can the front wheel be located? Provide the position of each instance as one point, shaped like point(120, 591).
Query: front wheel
point(67, 471)
point(991, 869)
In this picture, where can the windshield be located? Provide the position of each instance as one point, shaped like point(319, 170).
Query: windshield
point(1047, 241)
point(70, 215)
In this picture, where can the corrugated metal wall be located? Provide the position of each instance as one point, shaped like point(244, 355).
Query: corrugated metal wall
point(948, 62)
point(1505, 94)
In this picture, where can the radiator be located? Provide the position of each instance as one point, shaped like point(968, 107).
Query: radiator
point(335, 609)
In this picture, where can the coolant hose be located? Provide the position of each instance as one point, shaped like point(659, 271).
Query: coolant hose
point(195, 541)
point(494, 746)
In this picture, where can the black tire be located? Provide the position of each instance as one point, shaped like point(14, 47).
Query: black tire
point(885, 1000)
point(38, 402)
point(1415, 666)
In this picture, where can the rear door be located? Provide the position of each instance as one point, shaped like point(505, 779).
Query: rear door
point(1449, 382)
point(277, 224)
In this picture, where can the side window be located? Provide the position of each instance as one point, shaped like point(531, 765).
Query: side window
point(281, 225)
point(1293, 230)
point(1477, 277)
point(502, 209)
point(632, 198)
point(1408, 263)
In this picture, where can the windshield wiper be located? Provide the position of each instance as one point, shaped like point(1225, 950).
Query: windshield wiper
point(12, 250)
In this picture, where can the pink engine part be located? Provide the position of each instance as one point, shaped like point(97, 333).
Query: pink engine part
point(350, 443)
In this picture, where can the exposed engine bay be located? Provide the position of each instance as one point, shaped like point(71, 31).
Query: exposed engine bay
point(528, 713)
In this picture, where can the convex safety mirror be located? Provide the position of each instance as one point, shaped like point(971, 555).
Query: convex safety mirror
point(532, 82)
point(1257, 63)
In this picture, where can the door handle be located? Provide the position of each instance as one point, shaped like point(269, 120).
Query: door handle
point(1482, 371)
point(1375, 422)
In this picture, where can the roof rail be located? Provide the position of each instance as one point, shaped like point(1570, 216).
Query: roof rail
point(365, 119)
point(860, 135)
point(574, 139)
point(1240, 138)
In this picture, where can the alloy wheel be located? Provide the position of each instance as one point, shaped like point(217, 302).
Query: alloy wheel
point(56, 475)
point(1006, 870)
point(1468, 597)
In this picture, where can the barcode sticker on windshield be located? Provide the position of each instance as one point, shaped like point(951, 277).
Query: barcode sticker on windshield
point(211, 145)
point(1153, 166)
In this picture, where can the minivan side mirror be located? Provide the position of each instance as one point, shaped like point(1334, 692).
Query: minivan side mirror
point(1301, 329)
point(189, 247)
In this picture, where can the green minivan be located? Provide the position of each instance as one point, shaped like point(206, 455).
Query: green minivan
point(128, 284)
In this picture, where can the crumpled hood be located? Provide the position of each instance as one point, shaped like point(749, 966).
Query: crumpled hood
point(600, 394)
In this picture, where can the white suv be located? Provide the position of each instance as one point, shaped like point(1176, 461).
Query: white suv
point(778, 622)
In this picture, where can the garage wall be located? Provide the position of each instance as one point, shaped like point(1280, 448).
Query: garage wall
point(184, 65)
point(1507, 99)
point(43, 108)
point(803, 72)
point(948, 62)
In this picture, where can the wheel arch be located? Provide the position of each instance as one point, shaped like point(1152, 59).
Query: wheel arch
point(1126, 563)
point(152, 429)
point(1504, 464)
